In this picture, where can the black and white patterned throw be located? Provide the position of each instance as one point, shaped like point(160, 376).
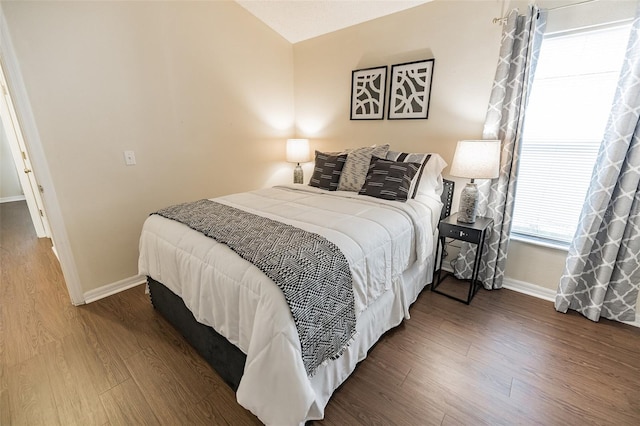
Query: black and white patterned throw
point(310, 270)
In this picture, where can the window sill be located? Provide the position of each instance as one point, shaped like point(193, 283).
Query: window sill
point(541, 242)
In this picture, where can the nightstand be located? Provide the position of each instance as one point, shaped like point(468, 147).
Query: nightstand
point(474, 233)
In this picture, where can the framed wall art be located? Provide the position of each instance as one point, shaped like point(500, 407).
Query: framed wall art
point(368, 93)
point(410, 91)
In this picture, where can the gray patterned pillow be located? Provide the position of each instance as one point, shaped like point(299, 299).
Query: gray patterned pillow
point(389, 180)
point(326, 171)
point(355, 170)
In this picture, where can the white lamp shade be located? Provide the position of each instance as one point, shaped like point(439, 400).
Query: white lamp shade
point(476, 160)
point(298, 150)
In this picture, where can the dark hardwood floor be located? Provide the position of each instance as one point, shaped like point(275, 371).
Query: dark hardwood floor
point(505, 359)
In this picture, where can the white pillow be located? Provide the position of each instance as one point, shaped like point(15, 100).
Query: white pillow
point(431, 182)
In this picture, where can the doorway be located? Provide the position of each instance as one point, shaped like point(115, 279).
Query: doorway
point(13, 136)
point(51, 221)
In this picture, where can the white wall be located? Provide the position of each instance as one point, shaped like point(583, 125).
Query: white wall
point(10, 188)
point(201, 91)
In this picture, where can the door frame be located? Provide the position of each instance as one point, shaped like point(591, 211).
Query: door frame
point(19, 152)
point(27, 125)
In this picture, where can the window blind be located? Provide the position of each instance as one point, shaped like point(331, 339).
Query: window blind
point(569, 105)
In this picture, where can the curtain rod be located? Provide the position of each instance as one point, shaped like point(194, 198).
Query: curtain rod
point(503, 19)
point(571, 5)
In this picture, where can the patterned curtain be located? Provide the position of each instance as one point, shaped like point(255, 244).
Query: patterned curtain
point(602, 271)
point(521, 40)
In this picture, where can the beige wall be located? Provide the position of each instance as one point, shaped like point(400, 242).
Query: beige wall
point(201, 91)
point(9, 182)
point(204, 94)
point(463, 40)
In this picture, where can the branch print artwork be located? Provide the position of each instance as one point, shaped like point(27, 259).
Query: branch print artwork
point(368, 93)
point(410, 90)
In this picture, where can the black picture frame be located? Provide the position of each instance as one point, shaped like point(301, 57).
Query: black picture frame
point(410, 92)
point(368, 87)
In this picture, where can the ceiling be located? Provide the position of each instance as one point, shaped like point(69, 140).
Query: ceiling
point(298, 20)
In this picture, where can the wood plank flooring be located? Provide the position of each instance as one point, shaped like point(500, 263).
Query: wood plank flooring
point(505, 359)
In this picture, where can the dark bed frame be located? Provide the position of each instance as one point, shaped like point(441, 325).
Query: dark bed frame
point(225, 358)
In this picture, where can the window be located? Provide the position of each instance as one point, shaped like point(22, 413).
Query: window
point(568, 109)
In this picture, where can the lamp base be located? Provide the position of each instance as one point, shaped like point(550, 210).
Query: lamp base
point(297, 174)
point(468, 203)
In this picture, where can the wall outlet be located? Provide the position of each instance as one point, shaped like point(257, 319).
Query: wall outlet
point(129, 158)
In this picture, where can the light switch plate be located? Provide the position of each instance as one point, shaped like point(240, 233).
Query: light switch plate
point(129, 158)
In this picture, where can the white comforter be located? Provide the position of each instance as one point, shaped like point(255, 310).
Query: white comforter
point(380, 239)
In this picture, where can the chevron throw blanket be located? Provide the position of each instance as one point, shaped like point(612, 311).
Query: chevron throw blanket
point(311, 271)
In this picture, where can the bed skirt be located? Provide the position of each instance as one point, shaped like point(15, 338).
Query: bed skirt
point(223, 356)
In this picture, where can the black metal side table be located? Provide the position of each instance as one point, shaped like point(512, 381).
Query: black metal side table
point(474, 233)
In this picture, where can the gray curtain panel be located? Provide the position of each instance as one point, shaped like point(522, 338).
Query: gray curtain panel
point(519, 51)
point(602, 271)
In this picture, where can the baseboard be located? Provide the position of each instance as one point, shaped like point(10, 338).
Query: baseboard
point(508, 283)
point(12, 199)
point(522, 287)
point(530, 289)
point(635, 323)
point(55, 252)
point(539, 292)
point(545, 294)
point(113, 288)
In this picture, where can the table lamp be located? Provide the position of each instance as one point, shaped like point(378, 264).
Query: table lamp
point(474, 160)
point(297, 152)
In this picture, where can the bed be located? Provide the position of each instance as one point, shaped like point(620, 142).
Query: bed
point(238, 319)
